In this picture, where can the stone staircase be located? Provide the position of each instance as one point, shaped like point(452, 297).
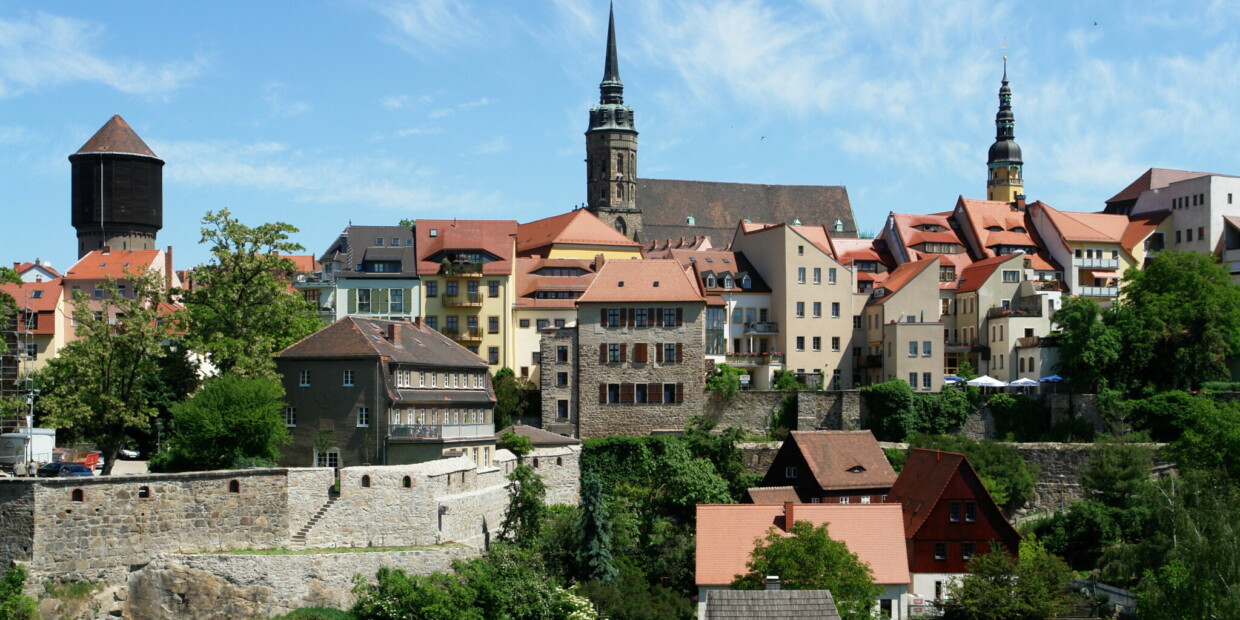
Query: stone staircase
point(299, 539)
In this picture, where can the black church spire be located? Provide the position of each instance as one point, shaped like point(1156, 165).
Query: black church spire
point(611, 90)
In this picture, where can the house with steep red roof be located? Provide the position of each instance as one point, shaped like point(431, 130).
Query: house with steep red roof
point(728, 534)
point(1095, 248)
point(903, 328)
point(88, 277)
point(948, 517)
point(368, 390)
point(830, 467)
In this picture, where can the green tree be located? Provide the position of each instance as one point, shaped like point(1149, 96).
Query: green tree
point(1192, 310)
point(787, 380)
point(631, 596)
point(1118, 470)
point(941, 412)
point(1002, 469)
point(1210, 439)
point(519, 445)
point(999, 586)
point(13, 604)
point(720, 449)
point(99, 386)
point(514, 397)
point(231, 422)
point(1088, 349)
point(810, 559)
point(526, 508)
point(240, 310)
point(1079, 534)
point(726, 381)
point(892, 414)
point(594, 533)
point(7, 303)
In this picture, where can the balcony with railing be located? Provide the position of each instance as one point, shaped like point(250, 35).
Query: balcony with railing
point(762, 327)
point(1014, 311)
point(469, 334)
point(957, 345)
point(440, 431)
point(753, 359)
point(1028, 342)
point(321, 279)
point(868, 361)
point(1098, 292)
point(463, 300)
point(461, 269)
point(1095, 263)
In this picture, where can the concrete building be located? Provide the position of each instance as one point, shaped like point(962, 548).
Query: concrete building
point(368, 271)
point(903, 333)
point(1197, 202)
point(1095, 248)
point(373, 391)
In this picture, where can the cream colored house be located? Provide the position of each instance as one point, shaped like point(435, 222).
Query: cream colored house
point(904, 336)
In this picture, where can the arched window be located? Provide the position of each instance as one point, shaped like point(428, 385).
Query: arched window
point(365, 482)
point(78, 495)
point(727, 281)
point(746, 282)
point(1022, 364)
point(621, 227)
point(535, 462)
point(710, 281)
point(406, 482)
point(144, 492)
point(559, 461)
point(234, 486)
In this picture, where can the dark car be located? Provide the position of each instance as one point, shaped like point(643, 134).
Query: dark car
point(54, 470)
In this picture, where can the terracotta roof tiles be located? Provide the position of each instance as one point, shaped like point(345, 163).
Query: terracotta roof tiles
point(1153, 178)
point(577, 227)
point(901, 276)
point(116, 136)
point(116, 264)
point(642, 280)
point(922, 481)
point(772, 495)
point(359, 337)
point(844, 459)
point(975, 275)
point(493, 237)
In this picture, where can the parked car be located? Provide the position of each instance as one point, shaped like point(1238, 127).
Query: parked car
point(129, 453)
point(54, 470)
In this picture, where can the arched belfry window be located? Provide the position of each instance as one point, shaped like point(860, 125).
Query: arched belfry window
point(621, 227)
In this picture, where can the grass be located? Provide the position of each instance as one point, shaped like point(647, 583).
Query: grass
point(69, 590)
point(330, 550)
point(316, 613)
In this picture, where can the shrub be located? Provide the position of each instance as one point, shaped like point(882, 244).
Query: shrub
point(726, 381)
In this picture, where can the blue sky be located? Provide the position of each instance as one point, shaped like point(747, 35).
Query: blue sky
point(321, 112)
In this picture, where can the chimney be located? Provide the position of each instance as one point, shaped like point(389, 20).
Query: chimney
point(1020, 202)
point(393, 332)
point(17, 266)
point(772, 582)
point(788, 516)
point(107, 249)
point(168, 272)
point(417, 321)
point(599, 259)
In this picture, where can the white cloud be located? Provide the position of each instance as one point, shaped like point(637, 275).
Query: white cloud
point(418, 131)
point(424, 27)
point(497, 144)
point(46, 50)
point(278, 105)
point(442, 113)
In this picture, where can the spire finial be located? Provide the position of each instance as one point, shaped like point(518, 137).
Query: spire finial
point(611, 89)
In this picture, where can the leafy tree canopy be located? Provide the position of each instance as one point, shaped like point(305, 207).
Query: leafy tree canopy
point(13, 604)
point(526, 508)
point(787, 380)
point(810, 559)
point(514, 397)
point(999, 586)
point(726, 381)
point(231, 422)
point(1002, 469)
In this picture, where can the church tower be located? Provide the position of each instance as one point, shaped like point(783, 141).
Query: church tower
point(117, 191)
point(611, 150)
point(1005, 181)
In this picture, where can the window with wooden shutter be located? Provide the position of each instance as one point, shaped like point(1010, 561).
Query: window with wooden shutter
point(626, 393)
point(624, 352)
point(659, 317)
point(639, 353)
point(658, 353)
point(602, 317)
point(651, 317)
point(680, 316)
point(602, 354)
point(655, 392)
point(602, 393)
point(680, 392)
point(632, 316)
point(680, 352)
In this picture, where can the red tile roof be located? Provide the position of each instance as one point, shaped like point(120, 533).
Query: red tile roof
point(577, 227)
point(303, 263)
point(727, 534)
point(116, 136)
point(901, 276)
point(772, 495)
point(922, 481)
point(529, 282)
point(37, 296)
point(834, 455)
point(975, 275)
point(493, 237)
point(22, 268)
point(116, 264)
point(1140, 227)
point(1153, 178)
point(643, 280)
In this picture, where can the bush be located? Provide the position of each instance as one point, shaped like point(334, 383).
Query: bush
point(1220, 386)
point(14, 604)
point(726, 381)
point(891, 410)
point(1001, 468)
point(1018, 417)
point(785, 379)
point(232, 421)
point(1073, 430)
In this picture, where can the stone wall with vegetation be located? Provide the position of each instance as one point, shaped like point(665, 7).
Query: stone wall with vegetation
point(560, 469)
point(16, 520)
point(753, 410)
point(261, 586)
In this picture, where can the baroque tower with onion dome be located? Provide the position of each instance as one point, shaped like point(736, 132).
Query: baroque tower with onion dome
point(1004, 180)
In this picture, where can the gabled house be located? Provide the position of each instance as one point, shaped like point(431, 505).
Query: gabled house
point(90, 273)
point(728, 534)
point(367, 271)
point(903, 329)
point(949, 517)
point(365, 390)
point(833, 467)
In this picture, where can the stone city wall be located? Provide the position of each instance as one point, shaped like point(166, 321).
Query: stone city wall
point(560, 469)
point(261, 586)
point(16, 520)
point(754, 410)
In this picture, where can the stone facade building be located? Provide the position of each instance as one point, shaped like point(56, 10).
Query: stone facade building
point(363, 391)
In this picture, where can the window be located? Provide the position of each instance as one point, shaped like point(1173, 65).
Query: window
point(396, 301)
point(925, 381)
point(1011, 276)
point(234, 486)
point(559, 323)
point(643, 318)
point(800, 343)
point(561, 354)
point(865, 499)
point(966, 551)
point(493, 288)
point(523, 323)
point(912, 380)
point(640, 393)
point(817, 275)
point(363, 416)
point(800, 309)
point(669, 352)
point(561, 409)
point(912, 351)
point(290, 416)
point(613, 352)
point(1177, 236)
point(953, 512)
point(940, 553)
point(844, 499)
point(98, 294)
point(330, 458)
point(970, 512)
point(536, 357)
point(800, 275)
point(856, 321)
point(790, 473)
point(817, 342)
point(817, 309)
point(348, 378)
point(800, 250)
point(303, 378)
point(1201, 233)
point(613, 393)
point(613, 317)
point(432, 288)
point(670, 393)
point(493, 325)
point(835, 343)
point(925, 348)
point(670, 317)
point(561, 379)
point(492, 355)
point(451, 288)
point(543, 324)
point(831, 275)
point(144, 492)
point(835, 309)
point(365, 482)
point(432, 322)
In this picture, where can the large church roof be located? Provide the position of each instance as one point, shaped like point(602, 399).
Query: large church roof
point(673, 209)
point(116, 136)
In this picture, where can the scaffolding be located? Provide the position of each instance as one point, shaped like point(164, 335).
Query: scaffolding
point(17, 361)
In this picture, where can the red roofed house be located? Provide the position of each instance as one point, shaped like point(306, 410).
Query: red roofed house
point(949, 517)
point(386, 393)
point(634, 361)
point(728, 534)
point(831, 467)
point(32, 336)
point(903, 329)
point(89, 275)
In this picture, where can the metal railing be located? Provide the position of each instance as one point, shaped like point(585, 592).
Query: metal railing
point(762, 327)
point(440, 431)
point(1017, 311)
point(463, 335)
point(1095, 263)
point(467, 299)
point(1098, 291)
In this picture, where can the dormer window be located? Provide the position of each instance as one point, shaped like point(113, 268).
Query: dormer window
point(856, 469)
point(746, 282)
point(710, 281)
point(994, 228)
point(1019, 229)
point(379, 241)
point(727, 281)
point(434, 232)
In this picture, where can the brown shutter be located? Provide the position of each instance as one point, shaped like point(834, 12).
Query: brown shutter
point(680, 392)
point(680, 352)
point(658, 352)
point(602, 353)
point(650, 317)
point(624, 352)
point(602, 318)
point(680, 316)
point(624, 317)
point(659, 316)
point(639, 353)
point(632, 316)
point(654, 393)
point(602, 393)
point(626, 393)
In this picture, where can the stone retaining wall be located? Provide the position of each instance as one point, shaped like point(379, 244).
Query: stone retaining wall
point(753, 410)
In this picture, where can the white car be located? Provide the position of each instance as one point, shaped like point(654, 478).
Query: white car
point(128, 454)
